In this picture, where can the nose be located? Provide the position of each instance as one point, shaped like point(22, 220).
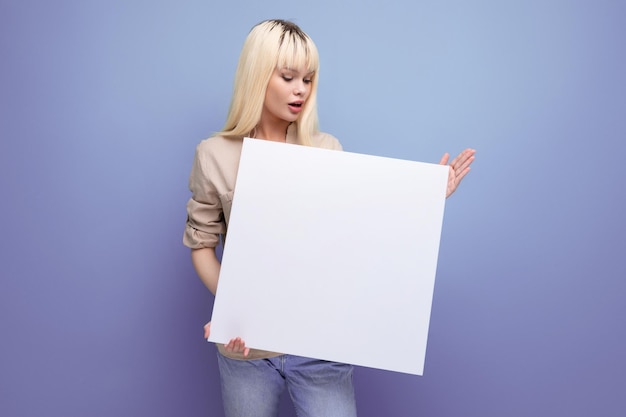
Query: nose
point(299, 88)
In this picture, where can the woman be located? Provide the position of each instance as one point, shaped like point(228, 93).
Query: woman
point(274, 99)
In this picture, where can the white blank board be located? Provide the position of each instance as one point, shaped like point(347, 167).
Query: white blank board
point(331, 255)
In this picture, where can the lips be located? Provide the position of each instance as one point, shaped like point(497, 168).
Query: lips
point(296, 106)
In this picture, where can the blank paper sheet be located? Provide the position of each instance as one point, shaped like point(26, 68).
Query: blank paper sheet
point(331, 255)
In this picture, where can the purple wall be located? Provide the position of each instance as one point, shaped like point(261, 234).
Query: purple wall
point(102, 104)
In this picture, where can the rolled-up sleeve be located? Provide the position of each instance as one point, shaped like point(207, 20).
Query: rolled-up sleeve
point(205, 216)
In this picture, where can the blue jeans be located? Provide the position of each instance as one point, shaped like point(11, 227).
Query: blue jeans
point(251, 388)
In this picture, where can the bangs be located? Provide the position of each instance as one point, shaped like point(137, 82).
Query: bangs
point(298, 53)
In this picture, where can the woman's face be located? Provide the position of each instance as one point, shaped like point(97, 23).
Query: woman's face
point(286, 94)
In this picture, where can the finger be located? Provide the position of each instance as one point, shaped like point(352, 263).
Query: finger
point(469, 153)
point(462, 157)
point(237, 345)
point(461, 166)
point(444, 159)
point(207, 330)
point(455, 160)
point(231, 345)
point(460, 176)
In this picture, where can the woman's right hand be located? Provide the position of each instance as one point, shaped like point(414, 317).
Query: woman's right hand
point(235, 345)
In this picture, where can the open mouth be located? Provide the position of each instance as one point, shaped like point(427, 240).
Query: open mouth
point(295, 107)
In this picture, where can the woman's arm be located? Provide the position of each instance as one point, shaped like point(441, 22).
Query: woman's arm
point(207, 267)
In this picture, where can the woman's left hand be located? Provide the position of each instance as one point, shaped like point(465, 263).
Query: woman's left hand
point(235, 345)
point(459, 167)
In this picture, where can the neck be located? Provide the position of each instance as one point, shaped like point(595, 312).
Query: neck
point(276, 132)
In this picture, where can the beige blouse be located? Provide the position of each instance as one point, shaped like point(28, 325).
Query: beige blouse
point(212, 183)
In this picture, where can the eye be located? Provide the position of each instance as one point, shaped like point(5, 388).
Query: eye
point(287, 77)
point(308, 80)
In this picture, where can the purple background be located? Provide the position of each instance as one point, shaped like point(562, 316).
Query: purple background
point(103, 102)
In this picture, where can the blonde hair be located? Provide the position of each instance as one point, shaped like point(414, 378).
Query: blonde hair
point(270, 45)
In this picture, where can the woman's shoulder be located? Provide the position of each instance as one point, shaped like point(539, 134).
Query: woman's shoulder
point(218, 146)
point(326, 141)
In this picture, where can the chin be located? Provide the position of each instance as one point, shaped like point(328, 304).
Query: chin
point(291, 119)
